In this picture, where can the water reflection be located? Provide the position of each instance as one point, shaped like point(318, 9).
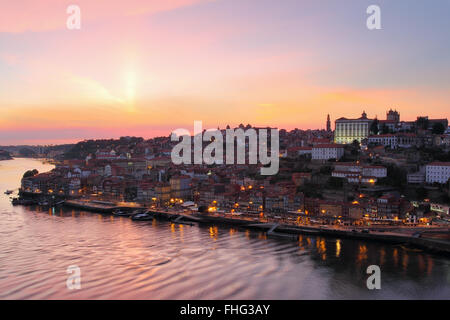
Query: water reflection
point(338, 248)
point(122, 259)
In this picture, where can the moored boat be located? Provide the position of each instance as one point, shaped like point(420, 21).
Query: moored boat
point(121, 213)
point(142, 217)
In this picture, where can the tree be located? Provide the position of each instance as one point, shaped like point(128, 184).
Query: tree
point(326, 170)
point(30, 173)
point(396, 176)
point(438, 128)
point(374, 127)
point(422, 123)
point(355, 144)
point(336, 183)
point(422, 193)
point(355, 147)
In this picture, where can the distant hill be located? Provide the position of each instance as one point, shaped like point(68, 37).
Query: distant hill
point(37, 151)
point(84, 148)
point(4, 155)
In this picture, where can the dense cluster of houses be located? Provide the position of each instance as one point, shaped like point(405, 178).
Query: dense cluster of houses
point(145, 173)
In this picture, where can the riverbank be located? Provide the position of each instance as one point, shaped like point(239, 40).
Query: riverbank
point(409, 237)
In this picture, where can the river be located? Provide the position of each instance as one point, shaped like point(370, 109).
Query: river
point(123, 259)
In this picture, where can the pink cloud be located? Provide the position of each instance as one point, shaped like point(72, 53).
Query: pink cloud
point(44, 15)
point(9, 59)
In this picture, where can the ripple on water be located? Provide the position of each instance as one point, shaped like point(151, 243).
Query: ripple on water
point(121, 259)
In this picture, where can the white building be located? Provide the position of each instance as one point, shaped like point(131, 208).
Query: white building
point(374, 171)
point(357, 173)
point(298, 151)
point(416, 178)
point(438, 172)
point(327, 151)
point(105, 154)
point(349, 130)
point(440, 208)
point(394, 141)
point(347, 167)
point(304, 150)
point(387, 140)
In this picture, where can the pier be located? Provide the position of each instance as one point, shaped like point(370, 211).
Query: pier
point(293, 231)
point(416, 237)
point(98, 206)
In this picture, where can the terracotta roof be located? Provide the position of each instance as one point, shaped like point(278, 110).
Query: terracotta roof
point(442, 164)
point(329, 145)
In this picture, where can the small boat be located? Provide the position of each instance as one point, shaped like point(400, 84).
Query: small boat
point(138, 211)
point(121, 213)
point(406, 248)
point(8, 192)
point(142, 217)
point(283, 235)
point(23, 202)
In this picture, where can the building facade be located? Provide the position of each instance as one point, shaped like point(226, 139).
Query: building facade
point(438, 172)
point(387, 140)
point(357, 173)
point(327, 152)
point(349, 130)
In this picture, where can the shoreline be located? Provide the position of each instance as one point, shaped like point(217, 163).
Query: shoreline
point(283, 230)
point(279, 230)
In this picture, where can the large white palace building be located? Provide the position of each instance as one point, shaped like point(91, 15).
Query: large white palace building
point(349, 130)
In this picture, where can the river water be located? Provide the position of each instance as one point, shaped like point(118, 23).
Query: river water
point(122, 259)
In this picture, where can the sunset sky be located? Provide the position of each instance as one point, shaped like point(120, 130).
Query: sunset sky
point(145, 68)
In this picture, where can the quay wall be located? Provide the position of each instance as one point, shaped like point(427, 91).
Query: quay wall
point(437, 246)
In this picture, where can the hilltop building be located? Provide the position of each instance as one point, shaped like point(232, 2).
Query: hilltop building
point(393, 115)
point(349, 130)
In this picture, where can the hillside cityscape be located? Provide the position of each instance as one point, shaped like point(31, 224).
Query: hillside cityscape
point(365, 172)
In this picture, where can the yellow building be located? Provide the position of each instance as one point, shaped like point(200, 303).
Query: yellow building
point(349, 130)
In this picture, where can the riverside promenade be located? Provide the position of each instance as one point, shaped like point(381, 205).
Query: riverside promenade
point(431, 238)
point(415, 236)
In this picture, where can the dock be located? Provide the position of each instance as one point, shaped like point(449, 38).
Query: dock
point(293, 232)
point(97, 206)
point(276, 229)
